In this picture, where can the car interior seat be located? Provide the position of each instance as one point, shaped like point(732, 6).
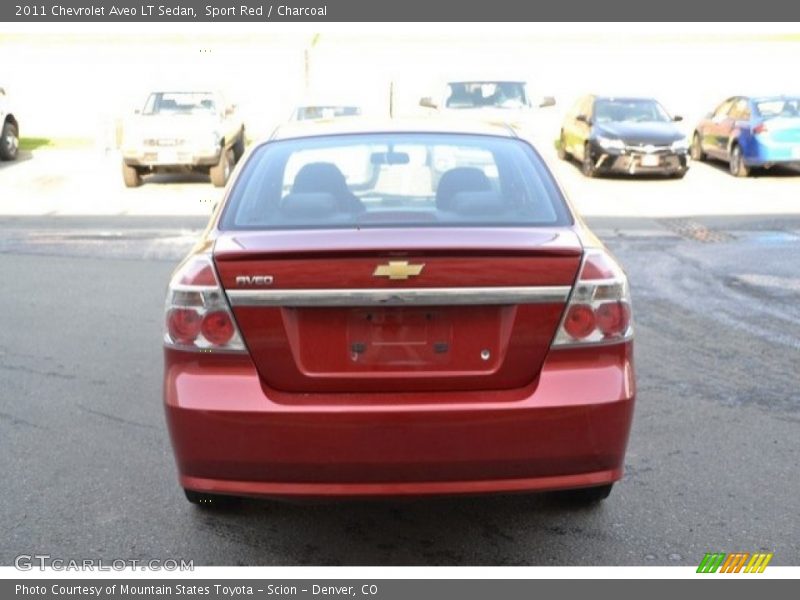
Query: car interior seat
point(325, 177)
point(460, 179)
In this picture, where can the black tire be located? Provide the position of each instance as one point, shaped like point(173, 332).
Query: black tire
point(697, 148)
point(585, 496)
point(222, 170)
point(210, 501)
point(562, 148)
point(680, 173)
point(238, 147)
point(131, 176)
point(587, 164)
point(736, 164)
point(9, 142)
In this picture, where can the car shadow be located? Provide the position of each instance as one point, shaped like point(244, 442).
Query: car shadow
point(165, 178)
point(22, 156)
point(476, 530)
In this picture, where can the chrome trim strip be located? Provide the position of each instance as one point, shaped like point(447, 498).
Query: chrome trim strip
point(401, 296)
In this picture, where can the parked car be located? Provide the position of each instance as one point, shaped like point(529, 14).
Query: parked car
point(305, 112)
point(183, 131)
point(624, 135)
point(9, 136)
point(506, 100)
point(748, 132)
point(348, 330)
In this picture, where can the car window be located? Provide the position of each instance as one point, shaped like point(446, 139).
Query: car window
point(723, 109)
point(482, 94)
point(394, 180)
point(608, 110)
point(740, 110)
point(778, 107)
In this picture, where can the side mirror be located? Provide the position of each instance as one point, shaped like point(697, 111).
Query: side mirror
point(677, 118)
point(547, 101)
point(583, 119)
point(428, 102)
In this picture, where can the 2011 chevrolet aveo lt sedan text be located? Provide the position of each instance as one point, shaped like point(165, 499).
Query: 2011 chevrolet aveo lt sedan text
point(346, 328)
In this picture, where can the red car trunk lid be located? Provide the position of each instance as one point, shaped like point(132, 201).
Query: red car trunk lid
point(417, 310)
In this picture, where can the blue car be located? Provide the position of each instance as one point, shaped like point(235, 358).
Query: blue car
point(749, 132)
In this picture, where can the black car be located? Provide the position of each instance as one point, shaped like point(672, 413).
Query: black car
point(625, 135)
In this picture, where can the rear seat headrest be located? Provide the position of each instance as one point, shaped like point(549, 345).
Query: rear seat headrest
point(460, 179)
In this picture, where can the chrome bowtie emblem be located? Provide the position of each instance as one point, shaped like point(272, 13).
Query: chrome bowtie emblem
point(398, 270)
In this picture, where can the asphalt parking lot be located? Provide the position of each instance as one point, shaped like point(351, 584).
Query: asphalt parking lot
point(712, 460)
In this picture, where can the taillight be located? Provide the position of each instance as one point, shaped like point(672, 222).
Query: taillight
point(760, 128)
point(599, 308)
point(197, 314)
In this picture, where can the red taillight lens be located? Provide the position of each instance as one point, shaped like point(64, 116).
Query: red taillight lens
point(613, 318)
point(217, 327)
point(183, 325)
point(580, 321)
point(198, 315)
point(760, 128)
point(599, 309)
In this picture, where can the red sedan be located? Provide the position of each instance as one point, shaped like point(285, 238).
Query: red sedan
point(397, 309)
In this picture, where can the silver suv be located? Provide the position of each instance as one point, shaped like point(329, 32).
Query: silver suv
point(195, 131)
point(9, 137)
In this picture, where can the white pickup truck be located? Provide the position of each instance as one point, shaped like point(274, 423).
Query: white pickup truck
point(9, 136)
point(195, 131)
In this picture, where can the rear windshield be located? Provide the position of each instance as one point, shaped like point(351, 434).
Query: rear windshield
point(779, 107)
point(394, 180)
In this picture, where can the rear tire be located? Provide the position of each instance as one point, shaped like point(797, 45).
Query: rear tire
point(209, 501)
point(9, 142)
point(736, 163)
point(585, 496)
point(697, 148)
point(131, 176)
point(222, 170)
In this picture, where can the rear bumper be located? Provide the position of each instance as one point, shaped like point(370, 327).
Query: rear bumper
point(232, 436)
point(181, 158)
point(759, 154)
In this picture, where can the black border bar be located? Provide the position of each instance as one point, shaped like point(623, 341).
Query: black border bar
point(339, 11)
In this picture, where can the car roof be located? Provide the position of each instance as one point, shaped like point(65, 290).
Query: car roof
point(485, 80)
point(768, 97)
point(622, 98)
point(363, 125)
